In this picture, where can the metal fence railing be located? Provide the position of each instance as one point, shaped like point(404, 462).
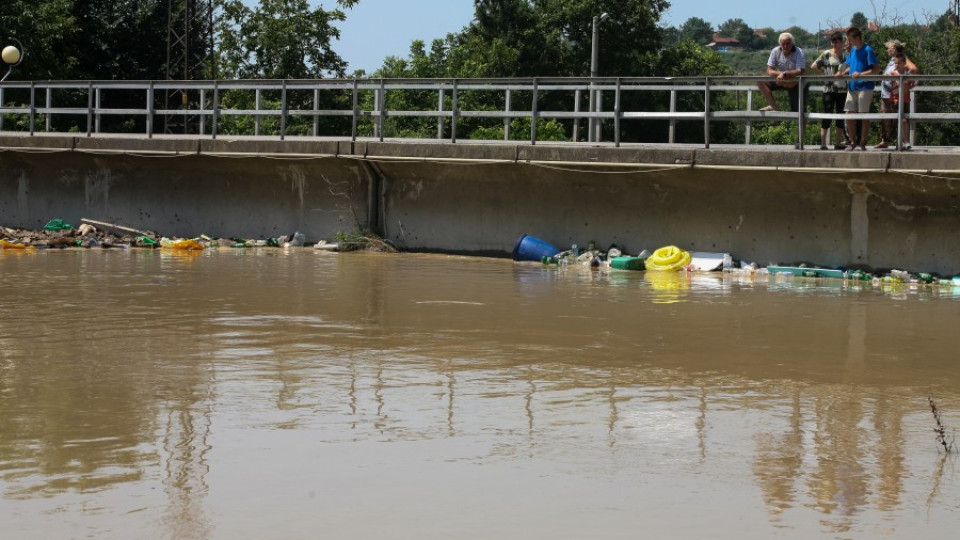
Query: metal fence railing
point(485, 109)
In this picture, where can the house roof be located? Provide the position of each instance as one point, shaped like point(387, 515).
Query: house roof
point(723, 40)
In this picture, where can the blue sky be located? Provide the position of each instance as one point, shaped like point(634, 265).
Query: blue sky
point(375, 29)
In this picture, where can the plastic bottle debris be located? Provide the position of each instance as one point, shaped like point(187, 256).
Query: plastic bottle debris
point(185, 245)
point(296, 240)
point(899, 276)
point(585, 258)
point(575, 250)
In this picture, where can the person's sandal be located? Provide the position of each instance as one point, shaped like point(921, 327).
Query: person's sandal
point(881, 144)
point(768, 108)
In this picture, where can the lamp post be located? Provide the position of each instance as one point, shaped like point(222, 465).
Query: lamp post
point(593, 134)
point(11, 56)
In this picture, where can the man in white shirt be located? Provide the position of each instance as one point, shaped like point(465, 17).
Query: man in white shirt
point(786, 63)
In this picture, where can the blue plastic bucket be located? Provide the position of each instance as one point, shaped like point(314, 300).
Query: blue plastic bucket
point(529, 248)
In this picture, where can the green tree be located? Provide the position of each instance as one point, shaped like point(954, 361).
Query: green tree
point(802, 38)
point(279, 39)
point(45, 28)
point(120, 40)
point(860, 21)
point(736, 28)
point(764, 38)
point(697, 30)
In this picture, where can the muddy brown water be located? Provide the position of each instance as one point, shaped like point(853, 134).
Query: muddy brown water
point(294, 394)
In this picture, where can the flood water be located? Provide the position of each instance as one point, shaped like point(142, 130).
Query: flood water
point(295, 394)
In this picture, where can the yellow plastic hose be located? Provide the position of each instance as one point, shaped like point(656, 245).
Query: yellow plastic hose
point(668, 258)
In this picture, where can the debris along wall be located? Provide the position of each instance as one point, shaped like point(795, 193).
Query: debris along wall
point(874, 218)
point(186, 195)
point(876, 209)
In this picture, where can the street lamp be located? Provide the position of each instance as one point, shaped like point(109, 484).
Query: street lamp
point(593, 134)
point(11, 56)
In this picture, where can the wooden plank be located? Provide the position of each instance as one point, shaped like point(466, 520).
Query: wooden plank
point(122, 228)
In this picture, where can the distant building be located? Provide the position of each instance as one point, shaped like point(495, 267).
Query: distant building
point(725, 44)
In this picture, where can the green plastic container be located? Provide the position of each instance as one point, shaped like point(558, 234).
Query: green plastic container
point(627, 263)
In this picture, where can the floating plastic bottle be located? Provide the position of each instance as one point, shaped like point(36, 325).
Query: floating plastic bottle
point(296, 241)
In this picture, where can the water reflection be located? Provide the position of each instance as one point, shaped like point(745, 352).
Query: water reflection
point(158, 387)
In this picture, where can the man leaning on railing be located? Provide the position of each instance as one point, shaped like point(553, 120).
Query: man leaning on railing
point(786, 63)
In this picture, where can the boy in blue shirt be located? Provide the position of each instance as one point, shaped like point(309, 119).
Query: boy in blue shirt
point(862, 61)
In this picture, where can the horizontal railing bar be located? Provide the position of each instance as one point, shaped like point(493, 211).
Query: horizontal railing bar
point(285, 99)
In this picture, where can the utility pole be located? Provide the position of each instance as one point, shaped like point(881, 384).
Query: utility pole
point(594, 125)
point(189, 54)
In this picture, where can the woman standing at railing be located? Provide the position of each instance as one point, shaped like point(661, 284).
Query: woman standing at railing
point(830, 62)
point(894, 48)
point(901, 66)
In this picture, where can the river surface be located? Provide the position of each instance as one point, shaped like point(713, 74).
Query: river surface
point(272, 394)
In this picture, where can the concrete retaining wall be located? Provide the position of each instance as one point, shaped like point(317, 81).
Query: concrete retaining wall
point(877, 209)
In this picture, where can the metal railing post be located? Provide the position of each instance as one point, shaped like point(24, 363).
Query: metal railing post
point(912, 125)
point(454, 112)
point(749, 129)
point(203, 105)
point(316, 109)
point(283, 109)
point(506, 120)
point(215, 115)
point(33, 107)
point(533, 114)
point(1, 106)
point(49, 107)
point(89, 108)
point(256, 107)
point(592, 105)
point(616, 116)
point(440, 103)
point(598, 109)
point(706, 112)
point(801, 112)
point(576, 117)
point(900, 115)
point(150, 110)
point(381, 107)
point(354, 120)
point(96, 107)
point(672, 130)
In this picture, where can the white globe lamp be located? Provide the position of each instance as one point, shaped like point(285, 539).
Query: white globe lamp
point(10, 54)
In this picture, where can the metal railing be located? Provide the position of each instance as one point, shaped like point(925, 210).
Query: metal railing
point(363, 108)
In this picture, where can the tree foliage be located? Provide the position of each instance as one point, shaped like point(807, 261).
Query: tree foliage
point(279, 39)
point(860, 21)
point(737, 29)
point(697, 30)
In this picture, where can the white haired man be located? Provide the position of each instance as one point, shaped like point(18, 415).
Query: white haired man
point(786, 63)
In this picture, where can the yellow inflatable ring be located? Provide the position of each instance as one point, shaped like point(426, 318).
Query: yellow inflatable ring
point(668, 258)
